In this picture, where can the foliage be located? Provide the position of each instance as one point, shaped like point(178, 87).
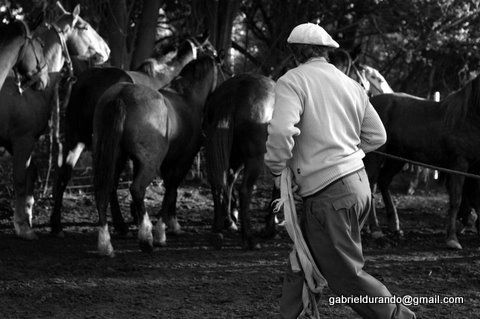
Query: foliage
point(420, 46)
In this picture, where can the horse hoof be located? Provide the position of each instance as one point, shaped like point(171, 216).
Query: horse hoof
point(235, 215)
point(57, 234)
point(232, 228)
point(398, 234)
point(251, 245)
point(106, 250)
point(146, 247)
point(454, 244)
point(217, 240)
point(377, 234)
point(159, 243)
point(177, 232)
point(28, 235)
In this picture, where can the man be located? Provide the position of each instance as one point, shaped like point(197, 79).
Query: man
point(322, 126)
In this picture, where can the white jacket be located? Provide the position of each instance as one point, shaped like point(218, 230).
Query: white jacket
point(322, 126)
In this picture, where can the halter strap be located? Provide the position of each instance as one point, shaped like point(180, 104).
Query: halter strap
point(63, 42)
point(215, 76)
point(194, 49)
point(21, 55)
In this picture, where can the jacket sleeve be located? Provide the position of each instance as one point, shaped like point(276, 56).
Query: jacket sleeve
point(281, 129)
point(373, 134)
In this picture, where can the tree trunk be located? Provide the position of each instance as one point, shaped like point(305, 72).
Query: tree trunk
point(116, 28)
point(145, 40)
point(227, 11)
point(218, 17)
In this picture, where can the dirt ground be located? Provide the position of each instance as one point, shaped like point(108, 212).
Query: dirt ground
point(64, 278)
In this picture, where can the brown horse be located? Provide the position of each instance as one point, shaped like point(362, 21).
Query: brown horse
point(79, 115)
point(23, 118)
point(236, 119)
point(22, 52)
point(160, 132)
point(444, 134)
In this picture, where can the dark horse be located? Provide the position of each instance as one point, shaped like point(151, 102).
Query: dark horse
point(445, 134)
point(24, 117)
point(235, 124)
point(22, 52)
point(85, 95)
point(160, 132)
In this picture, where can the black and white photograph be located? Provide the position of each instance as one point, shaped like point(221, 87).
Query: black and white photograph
point(217, 159)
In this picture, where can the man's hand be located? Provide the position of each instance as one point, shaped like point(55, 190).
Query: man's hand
point(276, 181)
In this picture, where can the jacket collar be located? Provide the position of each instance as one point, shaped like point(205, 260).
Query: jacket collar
point(317, 59)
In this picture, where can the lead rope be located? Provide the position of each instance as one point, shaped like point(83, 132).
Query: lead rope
point(71, 79)
point(300, 256)
point(55, 120)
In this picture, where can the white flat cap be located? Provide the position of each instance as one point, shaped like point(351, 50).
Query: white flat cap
point(310, 33)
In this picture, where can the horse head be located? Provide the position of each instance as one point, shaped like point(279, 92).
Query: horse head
point(81, 39)
point(378, 84)
point(167, 62)
point(31, 62)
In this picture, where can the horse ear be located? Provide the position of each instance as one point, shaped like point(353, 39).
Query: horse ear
point(203, 37)
point(170, 55)
point(59, 5)
point(76, 11)
point(356, 52)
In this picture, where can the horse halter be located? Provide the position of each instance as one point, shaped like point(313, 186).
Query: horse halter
point(215, 75)
point(194, 48)
point(66, 54)
point(39, 69)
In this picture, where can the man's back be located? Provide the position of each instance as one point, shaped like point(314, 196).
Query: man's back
point(331, 109)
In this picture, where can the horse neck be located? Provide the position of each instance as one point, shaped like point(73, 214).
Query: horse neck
point(52, 50)
point(8, 57)
point(197, 95)
point(176, 66)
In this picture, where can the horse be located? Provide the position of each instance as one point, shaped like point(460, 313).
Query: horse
point(22, 53)
point(24, 117)
point(81, 108)
point(235, 125)
point(160, 131)
point(444, 134)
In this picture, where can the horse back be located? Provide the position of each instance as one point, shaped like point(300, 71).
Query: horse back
point(145, 108)
point(415, 127)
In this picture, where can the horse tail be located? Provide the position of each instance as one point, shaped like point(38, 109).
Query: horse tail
point(109, 128)
point(218, 150)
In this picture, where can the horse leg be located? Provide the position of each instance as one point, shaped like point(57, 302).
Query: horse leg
point(373, 165)
point(23, 187)
point(60, 184)
point(388, 171)
point(231, 216)
point(250, 175)
point(168, 211)
point(454, 187)
point(218, 216)
point(143, 176)
point(119, 223)
point(414, 182)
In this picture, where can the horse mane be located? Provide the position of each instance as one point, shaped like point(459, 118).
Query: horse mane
point(462, 104)
point(12, 30)
point(196, 69)
point(158, 61)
